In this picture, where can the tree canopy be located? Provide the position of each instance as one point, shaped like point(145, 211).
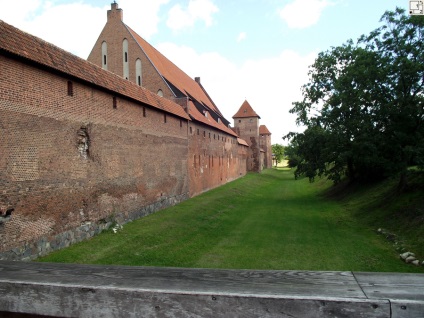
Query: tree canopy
point(363, 106)
point(277, 153)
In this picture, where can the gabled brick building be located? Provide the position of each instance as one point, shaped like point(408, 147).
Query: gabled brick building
point(84, 145)
point(213, 158)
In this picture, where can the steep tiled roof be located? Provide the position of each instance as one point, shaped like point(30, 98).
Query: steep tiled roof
point(245, 110)
point(175, 75)
point(31, 48)
point(263, 130)
point(196, 115)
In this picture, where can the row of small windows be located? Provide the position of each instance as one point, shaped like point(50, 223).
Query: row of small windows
point(215, 137)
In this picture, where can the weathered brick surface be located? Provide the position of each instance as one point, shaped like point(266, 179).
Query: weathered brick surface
point(248, 129)
point(265, 144)
point(68, 160)
point(215, 158)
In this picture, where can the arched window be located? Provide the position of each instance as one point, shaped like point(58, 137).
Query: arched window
point(104, 55)
point(160, 93)
point(125, 59)
point(138, 78)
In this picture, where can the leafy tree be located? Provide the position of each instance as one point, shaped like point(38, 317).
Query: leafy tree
point(278, 153)
point(290, 152)
point(364, 105)
point(399, 44)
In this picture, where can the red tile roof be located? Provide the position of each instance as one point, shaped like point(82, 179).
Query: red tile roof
point(242, 142)
point(31, 48)
point(263, 130)
point(245, 110)
point(196, 115)
point(175, 75)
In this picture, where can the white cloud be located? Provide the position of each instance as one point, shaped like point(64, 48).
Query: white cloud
point(180, 18)
point(242, 36)
point(301, 14)
point(270, 84)
point(11, 15)
point(55, 23)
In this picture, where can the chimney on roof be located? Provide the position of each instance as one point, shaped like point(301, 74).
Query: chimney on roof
point(197, 79)
point(115, 12)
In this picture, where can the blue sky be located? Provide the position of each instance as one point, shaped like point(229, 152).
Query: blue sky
point(257, 50)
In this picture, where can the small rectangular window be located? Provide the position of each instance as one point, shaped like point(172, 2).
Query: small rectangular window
point(204, 134)
point(115, 104)
point(164, 118)
point(181, 123)
point(126, 57)
point(104, 59)
point(70, 88)
point(139, 80)
point(144, 111)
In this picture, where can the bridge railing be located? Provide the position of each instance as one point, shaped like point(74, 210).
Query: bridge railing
point(69, 290)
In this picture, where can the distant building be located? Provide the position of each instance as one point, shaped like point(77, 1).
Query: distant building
point(258, 137)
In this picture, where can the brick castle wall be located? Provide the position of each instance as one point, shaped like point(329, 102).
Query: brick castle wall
point(248, 129)
point(214, 158)
point(70, 158)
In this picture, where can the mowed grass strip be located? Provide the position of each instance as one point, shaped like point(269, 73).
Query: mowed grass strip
point(261, 221)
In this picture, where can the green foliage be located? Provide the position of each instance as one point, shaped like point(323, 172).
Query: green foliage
point(364, 105)
point(277, 153)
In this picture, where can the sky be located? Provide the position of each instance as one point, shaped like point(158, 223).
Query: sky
point(254, 50)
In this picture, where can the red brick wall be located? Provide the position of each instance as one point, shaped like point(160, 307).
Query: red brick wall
point(265, 144)
point(52, 181)
point(248, 129)
point(214, 158)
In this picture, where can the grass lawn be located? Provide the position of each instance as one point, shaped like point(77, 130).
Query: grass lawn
point(261, 221)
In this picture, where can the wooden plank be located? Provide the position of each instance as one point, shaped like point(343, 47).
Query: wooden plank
point(407, 309)
point(395, 286)
point(85, 301)
point(68, 290)
point(404, 290)
point(289, 283)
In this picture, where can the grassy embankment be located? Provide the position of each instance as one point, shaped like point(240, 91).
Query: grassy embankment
point(264, 221)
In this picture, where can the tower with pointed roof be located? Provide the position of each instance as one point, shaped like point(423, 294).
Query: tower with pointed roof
point(246, 125)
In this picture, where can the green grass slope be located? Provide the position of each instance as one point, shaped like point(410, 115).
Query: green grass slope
point(261, 221)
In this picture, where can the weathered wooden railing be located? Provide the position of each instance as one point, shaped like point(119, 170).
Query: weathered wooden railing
point(67, 290)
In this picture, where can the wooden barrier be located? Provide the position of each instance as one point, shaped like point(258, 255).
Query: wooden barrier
point(29, 289)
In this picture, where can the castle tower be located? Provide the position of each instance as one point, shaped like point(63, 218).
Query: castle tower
point(246, 125)
point(265, 144)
